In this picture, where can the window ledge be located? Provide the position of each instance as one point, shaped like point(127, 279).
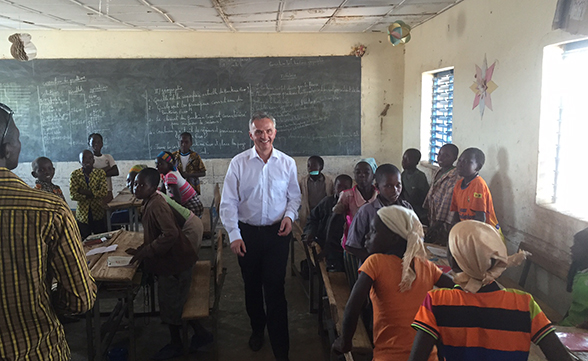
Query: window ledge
point(566, 211)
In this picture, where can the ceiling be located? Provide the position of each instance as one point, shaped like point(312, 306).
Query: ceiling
point(329, 16)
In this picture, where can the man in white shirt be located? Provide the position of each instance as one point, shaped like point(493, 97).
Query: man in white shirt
point(260, 200)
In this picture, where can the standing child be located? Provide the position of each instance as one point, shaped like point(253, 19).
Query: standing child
point(176, 186)
point(168, 254)
point(318, 221)
point(438, 201)
point(397, 277)
point(313, 187)
point(44, 171)
point(87, 186)
point(104, 162)
point(577, 315)
point(188, 162)
point(477, 320)
point(471, 196)
point(414, 183)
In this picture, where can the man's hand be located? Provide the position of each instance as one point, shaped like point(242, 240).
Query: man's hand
point(131, 251)
point(238, 247)
point(339, 347)
point(285, 227)
point(139, 255)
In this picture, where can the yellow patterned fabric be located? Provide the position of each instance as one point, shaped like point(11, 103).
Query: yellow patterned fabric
point(99, 188)
point(39, 242)
point(195, 164)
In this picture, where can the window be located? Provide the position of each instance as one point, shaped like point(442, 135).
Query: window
point(564, 126)
point(436, 111)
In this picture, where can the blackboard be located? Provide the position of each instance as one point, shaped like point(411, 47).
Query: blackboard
point(140, 106)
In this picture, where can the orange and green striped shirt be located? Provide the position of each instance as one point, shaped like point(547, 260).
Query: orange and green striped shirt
point(39, 242)
point(492, 324)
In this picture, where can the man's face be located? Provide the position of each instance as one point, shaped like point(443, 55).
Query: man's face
point(262, 132)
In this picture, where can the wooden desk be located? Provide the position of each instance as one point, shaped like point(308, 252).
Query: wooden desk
point(113, 282)
point(124, 200)
point(535, 354)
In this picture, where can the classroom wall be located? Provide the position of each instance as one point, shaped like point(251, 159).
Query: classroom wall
point(513, 33)
point(382, 80)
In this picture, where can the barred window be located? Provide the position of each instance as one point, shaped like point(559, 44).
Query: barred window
point(441, 113)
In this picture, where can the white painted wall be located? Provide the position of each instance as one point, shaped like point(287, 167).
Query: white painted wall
point(514, 34)
point(382, 80)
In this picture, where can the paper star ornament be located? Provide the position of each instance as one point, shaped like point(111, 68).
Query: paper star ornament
point(483, 87)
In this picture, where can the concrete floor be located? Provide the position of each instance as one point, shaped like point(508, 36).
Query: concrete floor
point(233, 325)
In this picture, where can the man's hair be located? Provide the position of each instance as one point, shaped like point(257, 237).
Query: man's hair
point(35, 163)
point(385, 170)
point(95, 135)
point(344, 178)
point(5, 117)
point(478, 156)
point(413, 154)
point(151, 176)
point(452, 148)
point(261, 115)
point(320, 160)
point(186, 134)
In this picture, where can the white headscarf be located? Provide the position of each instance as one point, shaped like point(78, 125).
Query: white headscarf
point(474, 245)
point(405, 223)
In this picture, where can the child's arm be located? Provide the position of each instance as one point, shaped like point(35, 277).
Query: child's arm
point(422, 346)
point(75, 186)
point(334, 231)
point(102, 187)
point(174, 192)
point(111, 171)
point(359, 293)
point(553, 349)
point(445, 281)
point(199, 172)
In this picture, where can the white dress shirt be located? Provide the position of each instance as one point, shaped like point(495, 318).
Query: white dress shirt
point(258, 193)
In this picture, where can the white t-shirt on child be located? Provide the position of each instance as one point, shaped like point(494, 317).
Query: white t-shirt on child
point(103, 161)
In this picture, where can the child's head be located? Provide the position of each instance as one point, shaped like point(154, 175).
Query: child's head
point(388, 182)
point(411, 158)
point(133, 174)
point(146, 183)
point(87, 160)
point(470, 162)
point(397, 230)
point(315, 165)
point(185, 142)
point(342, 182)
point(580, 248)
point(478, 254)
point(165, 162)
point(363, 173)
point(447, 155)
point(96, 142)
point(43, 169)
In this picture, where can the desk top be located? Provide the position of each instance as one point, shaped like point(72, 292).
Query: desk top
point(124, 199)
point(99, 263)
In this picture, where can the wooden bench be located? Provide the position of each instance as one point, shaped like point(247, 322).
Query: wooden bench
point(198, 304)
point(210, 215)
point(332, 307)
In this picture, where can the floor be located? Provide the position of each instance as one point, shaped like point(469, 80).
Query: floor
point(233, 325)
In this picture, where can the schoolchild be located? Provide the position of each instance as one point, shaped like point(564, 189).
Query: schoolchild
point(176, 186)
point(43, 172)
point(188, 162)
point(313, 187)
point(104, 162)
point(414, 183)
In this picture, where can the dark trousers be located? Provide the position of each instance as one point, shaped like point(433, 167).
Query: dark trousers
point(93, 226)
point(264, 271)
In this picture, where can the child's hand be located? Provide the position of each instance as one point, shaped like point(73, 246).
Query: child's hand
point(339, 347)
point(140, 255)
point(131, 251)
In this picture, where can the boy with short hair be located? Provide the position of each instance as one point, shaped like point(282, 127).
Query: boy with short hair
point(167, 253)
point(104, 162)
point(313, 187)
point(44, 171)
point(471, 196)
point(88, 187)
point(414, 183)
point(188, 162)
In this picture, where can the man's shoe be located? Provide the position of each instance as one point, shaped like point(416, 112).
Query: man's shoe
point(168, 351)
point(256, 341)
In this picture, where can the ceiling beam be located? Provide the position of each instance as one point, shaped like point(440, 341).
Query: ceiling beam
point(25, 22)
point(111, 18)
point(333, 15)
point(280, 14)
point(164, 14)
point(34, 11)
point(221, 12)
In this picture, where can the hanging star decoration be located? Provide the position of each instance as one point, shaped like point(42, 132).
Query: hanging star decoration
point(483, 87)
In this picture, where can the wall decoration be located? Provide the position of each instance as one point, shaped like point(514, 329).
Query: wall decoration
point(22, 48)
point(483, 87)
point(358, 50)
point(398, 33)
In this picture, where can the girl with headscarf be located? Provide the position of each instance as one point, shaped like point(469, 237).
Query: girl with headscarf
point(399, 277)
point(176, 186)
point(477, 320)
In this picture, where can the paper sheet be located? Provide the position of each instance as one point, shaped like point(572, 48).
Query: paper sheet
point(119, 261)
point(99, 250)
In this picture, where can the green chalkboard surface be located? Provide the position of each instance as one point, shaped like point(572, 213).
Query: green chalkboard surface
point(140, 106)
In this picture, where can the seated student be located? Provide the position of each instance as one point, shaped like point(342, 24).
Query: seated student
point(168, 254)
point(349, 203)
point(104, 162)
point(438, 200)
point(44, 171)
point(88, 187)
point(577, 315)
point(176, 186)
point(314, 187)
point(414, 183)
point(188, 162)
point(318, 221)
point(133, 174)
point(477, 320)
point(397, 276)
point(389, 188)
point(471, 196)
